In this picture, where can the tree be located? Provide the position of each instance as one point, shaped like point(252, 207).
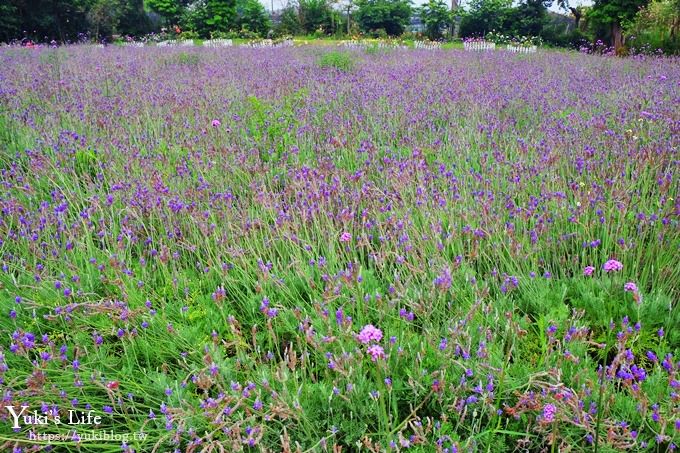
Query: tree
point(289, 22)
point(251, 15)
point(9, 21)
point(392, 16)
point(315, 15)
point(656, 26)
point(221, 15)
point(133, 19)
point(612, 14)
point(170, 10)
point(104, 17)
point(194, 18)
point(484, 16)
point(436, 16)
point(527, 19)
point(46, 20)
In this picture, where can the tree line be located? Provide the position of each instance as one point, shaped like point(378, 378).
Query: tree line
point(620, 23)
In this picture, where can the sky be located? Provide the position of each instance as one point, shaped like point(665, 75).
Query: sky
point(278, 4)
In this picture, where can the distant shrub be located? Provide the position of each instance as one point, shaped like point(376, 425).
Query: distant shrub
point(379, 33)
point(575, 39)
point(189, 35)
point(182, 59)
point(338, 60)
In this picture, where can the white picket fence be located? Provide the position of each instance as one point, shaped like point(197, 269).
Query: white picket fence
point(133, 44)
point(521, 49)
point(363, 45)
point(354, 44)
point(427, 45)
point(218, 43)
point(268, 43)
point(179, 43)
point(390, 45)
point(479, 45)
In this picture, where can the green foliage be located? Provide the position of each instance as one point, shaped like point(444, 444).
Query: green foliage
point(528, 18)
point(71, 20)
point(437, 17)
point(9, 21)
point(195, 18)
point(615, 11)
point(338, 60)
point(133, 20)
point(573, 40)
point(315, 15)
point(289, 22)
point(607, 17)
point(484, 16)
point(251, 15)
point(390, 15)
point(170, 10)
point(221, 14)
point(104, 17)
point(656, 26)
point(46, 20)
point(181, 59)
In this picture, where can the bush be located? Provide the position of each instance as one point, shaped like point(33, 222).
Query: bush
point(189, 35)
point(572, 40)
point(379, 33)
point(338, 60)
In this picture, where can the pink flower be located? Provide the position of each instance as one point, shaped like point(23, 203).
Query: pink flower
point(216, 123)
point(369, 333)
point(345, 237)
point(549, 411)
point(630, 287)
point(612, 266)
point(588, 271)
point(376, 352)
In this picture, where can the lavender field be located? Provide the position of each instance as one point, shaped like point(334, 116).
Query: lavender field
point(302, 249)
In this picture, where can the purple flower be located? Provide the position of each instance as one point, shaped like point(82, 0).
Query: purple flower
point(345, 237)
point(612, 266)
point(549, 411)
point(588, 271)
point(630, 287)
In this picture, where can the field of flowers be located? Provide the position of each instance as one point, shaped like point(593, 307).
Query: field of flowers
point(312, 250)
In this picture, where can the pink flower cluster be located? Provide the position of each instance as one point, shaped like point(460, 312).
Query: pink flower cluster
point(609, 266)
point(612, 266)
point(345, 237)
point(369, 333)
point(376, 352)
point(630, 287)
